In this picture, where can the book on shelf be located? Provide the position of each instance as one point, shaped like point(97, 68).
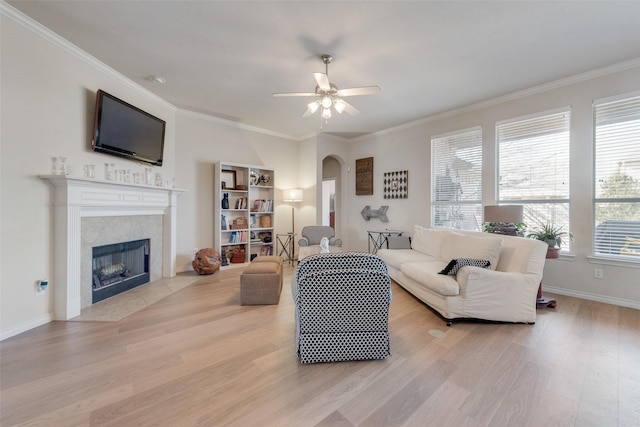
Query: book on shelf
point(266, 250)
point(241, 203)
point(261, 205)
point(238, 237)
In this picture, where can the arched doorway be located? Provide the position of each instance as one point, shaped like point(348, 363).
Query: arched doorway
point(331, 184)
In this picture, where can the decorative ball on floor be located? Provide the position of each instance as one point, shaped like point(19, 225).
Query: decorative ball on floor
point(207, 261)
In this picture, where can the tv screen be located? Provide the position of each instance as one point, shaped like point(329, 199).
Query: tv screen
point(126, 131)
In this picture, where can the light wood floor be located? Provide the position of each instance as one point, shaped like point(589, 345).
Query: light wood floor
point(198, 358)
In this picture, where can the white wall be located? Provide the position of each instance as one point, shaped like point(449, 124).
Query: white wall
point(203, 141)
point(48, 101)
point(53, 116)
point(306, 211)
point(403, 150)
point(408, 148)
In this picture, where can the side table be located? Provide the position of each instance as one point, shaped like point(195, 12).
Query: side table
point(378, 239)
point(542, 301)
point(286, 242)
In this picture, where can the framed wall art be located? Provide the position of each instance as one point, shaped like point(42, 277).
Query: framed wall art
point(396, 185)
point(364, 176)
point(228, 179)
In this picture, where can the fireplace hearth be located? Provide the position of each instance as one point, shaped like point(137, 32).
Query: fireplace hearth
point(119, 267)
point(77, 201)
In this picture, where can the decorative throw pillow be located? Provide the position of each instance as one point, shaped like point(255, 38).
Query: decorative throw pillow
point(483, 246)
point(457, 263)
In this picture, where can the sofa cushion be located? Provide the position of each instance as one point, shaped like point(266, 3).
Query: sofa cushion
point(464, 246)
point(426, 273)
point(429, 240)
point(456, 264)
point(518, 255)
point(396, 257)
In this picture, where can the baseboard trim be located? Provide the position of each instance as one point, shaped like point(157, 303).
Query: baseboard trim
point(184, 268)
point(24, 327)
point(592, 297)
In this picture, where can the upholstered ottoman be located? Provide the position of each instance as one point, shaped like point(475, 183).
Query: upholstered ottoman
point(261, 281)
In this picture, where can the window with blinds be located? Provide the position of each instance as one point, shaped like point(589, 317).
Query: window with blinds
point(456, 176)
point(533, 168)
point(617, 179)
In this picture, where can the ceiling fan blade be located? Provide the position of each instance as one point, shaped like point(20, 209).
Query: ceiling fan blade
point(350, 108)
point(353, 91)
point(323, 81)
point(295, 94)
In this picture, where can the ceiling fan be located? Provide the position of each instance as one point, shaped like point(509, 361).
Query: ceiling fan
point(329, 95)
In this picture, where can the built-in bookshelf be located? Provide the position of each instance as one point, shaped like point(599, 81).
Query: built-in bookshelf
point(243, 212)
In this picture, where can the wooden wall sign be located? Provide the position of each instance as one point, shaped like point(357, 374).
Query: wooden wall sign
point(364, 176)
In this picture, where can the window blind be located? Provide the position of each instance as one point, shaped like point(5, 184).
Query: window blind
point(533, 167)
point(617, 179)
point(456, 176)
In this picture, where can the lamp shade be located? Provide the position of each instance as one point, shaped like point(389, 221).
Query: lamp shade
point(292, 195)
point(505, 213)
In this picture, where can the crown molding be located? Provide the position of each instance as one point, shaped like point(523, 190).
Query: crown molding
point(237, 125)
point(545, 87)
point(37, 28)
point(62, 43)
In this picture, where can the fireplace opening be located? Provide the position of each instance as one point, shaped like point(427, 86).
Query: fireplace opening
point(118, 268)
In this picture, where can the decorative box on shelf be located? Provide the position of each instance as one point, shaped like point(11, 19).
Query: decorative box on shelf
point(265, 221)
point(239, 223)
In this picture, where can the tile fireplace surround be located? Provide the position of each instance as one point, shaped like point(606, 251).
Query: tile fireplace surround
point(76, 198)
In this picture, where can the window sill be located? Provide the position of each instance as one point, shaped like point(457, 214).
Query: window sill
point(567, 256)
point(614, 261)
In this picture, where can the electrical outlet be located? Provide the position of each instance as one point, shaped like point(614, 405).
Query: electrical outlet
point(41, 287)
point(598, 273)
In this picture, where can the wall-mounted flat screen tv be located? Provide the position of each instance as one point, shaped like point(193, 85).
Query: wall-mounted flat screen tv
point(123, 130)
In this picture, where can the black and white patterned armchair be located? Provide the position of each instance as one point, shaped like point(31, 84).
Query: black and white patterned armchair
point(342, 307)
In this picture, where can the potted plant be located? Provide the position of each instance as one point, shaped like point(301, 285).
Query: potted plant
point(508, 228)
point(551, 235)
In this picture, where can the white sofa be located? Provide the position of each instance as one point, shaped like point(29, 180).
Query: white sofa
point(504, 291)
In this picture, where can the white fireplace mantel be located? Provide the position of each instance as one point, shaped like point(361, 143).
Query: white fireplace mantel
point(75, 198)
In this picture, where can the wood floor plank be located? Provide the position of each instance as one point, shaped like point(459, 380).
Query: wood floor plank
point(556, 410)
point(442, 409)
point(479, 351)
point(335, 419)
point(521, 403)
point(402, 372)
point(198, 358)
point(495, 384)
point(395, 411)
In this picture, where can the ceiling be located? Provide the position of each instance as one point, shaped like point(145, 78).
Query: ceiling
point(227, 58)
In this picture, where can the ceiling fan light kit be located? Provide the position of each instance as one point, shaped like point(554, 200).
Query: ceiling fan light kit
point(328, 95)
